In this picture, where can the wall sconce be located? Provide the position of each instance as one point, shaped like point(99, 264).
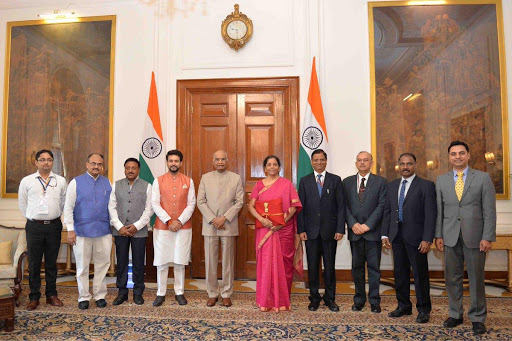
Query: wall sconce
point(432, 164)
point(490, 158)
point(397, 169)
point(58, 16)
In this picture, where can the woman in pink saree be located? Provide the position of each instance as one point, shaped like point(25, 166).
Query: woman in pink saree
point(276, 246)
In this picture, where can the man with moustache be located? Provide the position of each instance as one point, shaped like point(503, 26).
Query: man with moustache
point(130, 212)
point(173, 200)
point(321, 224)
point(219, 198)
point(409, 224)
point(41, 200)
point(88, 225)
point(466, 226)
point(366, 196)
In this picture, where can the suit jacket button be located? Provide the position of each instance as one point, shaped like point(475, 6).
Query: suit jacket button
point(319, 214)
point(458, 219)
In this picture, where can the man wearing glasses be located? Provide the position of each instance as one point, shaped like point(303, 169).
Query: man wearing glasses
point(88, 225)
point(41, 200)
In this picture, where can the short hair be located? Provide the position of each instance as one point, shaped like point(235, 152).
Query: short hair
point(407, 154)
point(458, 143)
point(100, 155)
point(132, 159)
point(38, 154)
point(271, 157)
point(174, 152)
point(364, 151)
point(318, 151)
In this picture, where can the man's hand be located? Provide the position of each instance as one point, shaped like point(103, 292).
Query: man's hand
point(175, 225)
point(385, 243)
point(485, 245)
point(440, 244)
point(338, 236)
point(357, 228)
point(218, 222)
point(71, 237)
point(303, 236)
point(364, 228)
point(132, 230)
point(424, 247)
point(123, 231)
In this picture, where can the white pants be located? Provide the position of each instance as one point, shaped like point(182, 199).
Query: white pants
point(99, 249)
point(162, 271)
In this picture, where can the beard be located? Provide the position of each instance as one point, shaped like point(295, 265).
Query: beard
point(174, 169)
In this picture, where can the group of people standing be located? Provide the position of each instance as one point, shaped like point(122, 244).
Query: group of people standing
point(407, 214)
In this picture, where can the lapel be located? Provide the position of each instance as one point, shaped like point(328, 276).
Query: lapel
point(412, 187)
point(326, 183)
point(467, 183)
point(369, 184)
point(450, 183)
point(394, 191)
point(313, 184)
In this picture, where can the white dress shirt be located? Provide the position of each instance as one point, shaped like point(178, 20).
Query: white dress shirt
point(144, 218)
point(162, 214)
point(31, 192)
point(323, 176)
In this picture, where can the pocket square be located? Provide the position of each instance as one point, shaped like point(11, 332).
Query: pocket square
point(184, 186)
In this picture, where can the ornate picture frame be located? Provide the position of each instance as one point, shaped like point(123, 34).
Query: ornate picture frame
point(437, 75)
point(58, 95)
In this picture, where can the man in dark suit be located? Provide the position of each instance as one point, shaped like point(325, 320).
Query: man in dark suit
point(409, 223)
point(464, 231)
point(365, 195)
point(321, 224)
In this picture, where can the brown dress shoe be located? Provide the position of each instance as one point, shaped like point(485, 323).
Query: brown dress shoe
point(54, 300)
point(32, 305)
point(211, 301)
point(226, 302)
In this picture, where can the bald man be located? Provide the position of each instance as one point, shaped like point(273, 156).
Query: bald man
point(220, 198)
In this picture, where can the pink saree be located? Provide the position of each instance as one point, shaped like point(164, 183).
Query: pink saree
point(276, 259)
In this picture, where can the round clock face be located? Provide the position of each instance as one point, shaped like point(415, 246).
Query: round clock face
point(236, 29)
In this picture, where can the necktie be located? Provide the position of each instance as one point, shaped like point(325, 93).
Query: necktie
point(319, 184)
point(459, 185)
point(361, 190)
point(401, 201)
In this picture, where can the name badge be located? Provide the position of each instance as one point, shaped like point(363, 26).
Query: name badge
point(42, 208)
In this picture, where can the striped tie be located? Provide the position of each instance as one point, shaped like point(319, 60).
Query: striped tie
point(319, 184)
point(459, 185)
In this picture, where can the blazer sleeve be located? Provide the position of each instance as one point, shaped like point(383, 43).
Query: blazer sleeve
point(430, 207)
point(440, 209)
point(340, 199)
point(489, 209)
point(349, 218)
point(376, 216)
point(302, 197)
point(386, 215)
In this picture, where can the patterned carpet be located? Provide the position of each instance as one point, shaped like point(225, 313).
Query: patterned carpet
point(242, 321)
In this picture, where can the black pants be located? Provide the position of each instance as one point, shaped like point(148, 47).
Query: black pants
point(42, 240)
point(368, 253)
point(316, 248)
point(123, 257)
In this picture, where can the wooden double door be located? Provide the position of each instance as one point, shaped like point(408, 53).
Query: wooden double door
point(250, 119)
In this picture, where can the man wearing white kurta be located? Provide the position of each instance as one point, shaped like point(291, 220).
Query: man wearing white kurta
point(173, 202)
point(88, 225)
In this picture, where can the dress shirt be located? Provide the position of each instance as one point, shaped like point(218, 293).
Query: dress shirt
point(69, 206)
point(144, 218)
point(455, 177)
point(323, 176)
point(359, 177)
point(162, 214)
point(31, 191)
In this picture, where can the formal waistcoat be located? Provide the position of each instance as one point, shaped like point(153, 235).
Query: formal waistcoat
point(90, 215)
point(173, 197)
point(131, 204)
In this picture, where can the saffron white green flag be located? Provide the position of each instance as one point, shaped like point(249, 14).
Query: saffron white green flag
point(313, 131)
point(152, 156)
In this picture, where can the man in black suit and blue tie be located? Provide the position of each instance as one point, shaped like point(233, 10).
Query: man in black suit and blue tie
point(365, 194)
point(321, 224)
point(409, 223)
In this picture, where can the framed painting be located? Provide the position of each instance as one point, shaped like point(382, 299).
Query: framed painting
point(58, 95)
point(438, 75)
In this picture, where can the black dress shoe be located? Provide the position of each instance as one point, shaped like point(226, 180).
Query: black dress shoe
point(376, 308)
point(83, 305)
point(423, 318)
point(313, 306)
point(181, 299)
point(138, 299)
point(332, 306)
point(101, 303)
point(479, 328)
point(450, 322)
point(120, 299)
point(357, 307)
point(399, 312)
point(158, 301)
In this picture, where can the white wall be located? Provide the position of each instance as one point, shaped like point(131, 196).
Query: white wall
point(181, 39)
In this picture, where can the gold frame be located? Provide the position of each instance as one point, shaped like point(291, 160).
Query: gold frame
point(503, 75)
point(12, 24)
point(236, 44)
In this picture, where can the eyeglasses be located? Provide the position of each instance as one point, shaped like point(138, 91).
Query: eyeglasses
point(221, 159)
point(94, 164)
point(45, 160)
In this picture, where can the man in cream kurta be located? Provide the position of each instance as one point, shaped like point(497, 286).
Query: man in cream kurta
point(220, 198)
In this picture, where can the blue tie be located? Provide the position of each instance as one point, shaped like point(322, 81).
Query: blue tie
point(319, 184)
point(401, 201)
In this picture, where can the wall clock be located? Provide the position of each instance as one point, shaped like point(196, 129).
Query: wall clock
point(236, 29)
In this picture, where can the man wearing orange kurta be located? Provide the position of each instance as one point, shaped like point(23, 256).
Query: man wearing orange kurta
point(173, 200)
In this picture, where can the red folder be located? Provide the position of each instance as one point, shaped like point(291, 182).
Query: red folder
point(272, 210)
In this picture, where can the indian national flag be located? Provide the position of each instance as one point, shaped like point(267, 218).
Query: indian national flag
point(313, 132)
point(152, 155)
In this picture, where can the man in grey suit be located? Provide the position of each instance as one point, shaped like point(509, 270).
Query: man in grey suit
point(366, 196)
point(465, 228)
point(220, 198)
